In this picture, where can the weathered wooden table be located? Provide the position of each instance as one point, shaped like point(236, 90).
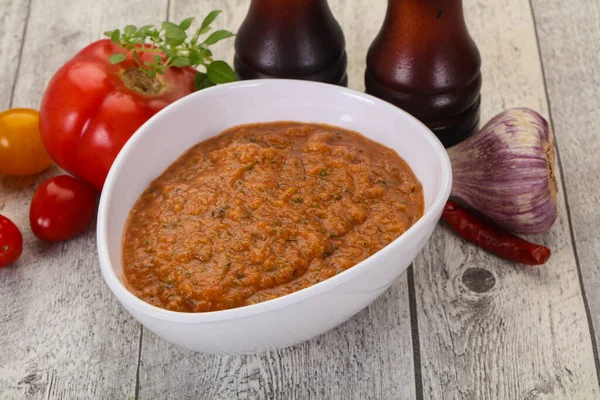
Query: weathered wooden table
point(522, 333)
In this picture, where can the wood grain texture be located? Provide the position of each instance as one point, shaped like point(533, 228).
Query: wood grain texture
point(370, 356)
point(363, 358)
point(62, 333)
point(13, 17)
point(570, 49)
point(527, 337)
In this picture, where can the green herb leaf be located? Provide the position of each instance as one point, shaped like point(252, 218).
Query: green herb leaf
point(168, 25)
point(220, 72)
point(169, 53)
point(204, 30)
point(195, 56)
point(175, 36)
point(117, 58)
point(210, 18)
point(170, 46)
point(116, 36)
point(130, 30)
point(201, 81)
point(217, 36)
point(181, 62)
point(145, 30)
point(186, 23)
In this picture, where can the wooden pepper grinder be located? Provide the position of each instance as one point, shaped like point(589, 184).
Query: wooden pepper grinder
point(297, 39)
point(424, 61)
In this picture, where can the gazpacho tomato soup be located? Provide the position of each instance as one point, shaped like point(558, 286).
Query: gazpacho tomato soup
point(264, 210)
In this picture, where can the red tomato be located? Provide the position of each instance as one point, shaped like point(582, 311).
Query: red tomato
point(92, 107)
point(62, 207)
point(11, 242)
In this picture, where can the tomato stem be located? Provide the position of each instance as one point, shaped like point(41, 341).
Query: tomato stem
point(138, 81)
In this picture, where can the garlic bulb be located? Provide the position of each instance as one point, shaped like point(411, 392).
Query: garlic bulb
point(506, 171)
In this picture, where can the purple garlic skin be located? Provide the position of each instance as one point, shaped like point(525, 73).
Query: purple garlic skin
point(506, 171)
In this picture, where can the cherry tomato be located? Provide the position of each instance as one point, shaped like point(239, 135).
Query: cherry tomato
point(11, 242)
point(92, 107)
point(61, 208)
point(21, 149)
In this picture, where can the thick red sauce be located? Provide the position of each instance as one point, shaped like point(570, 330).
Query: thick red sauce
point(264, 210)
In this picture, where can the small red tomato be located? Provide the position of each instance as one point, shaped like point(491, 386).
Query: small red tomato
point(11, 242)
point(61, 208)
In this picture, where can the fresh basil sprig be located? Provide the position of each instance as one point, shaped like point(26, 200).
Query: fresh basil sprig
point(179, 50)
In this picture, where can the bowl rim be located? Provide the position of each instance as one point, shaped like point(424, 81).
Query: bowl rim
point(129, 300)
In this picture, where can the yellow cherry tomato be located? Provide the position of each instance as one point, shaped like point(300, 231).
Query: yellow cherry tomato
point(21, 149)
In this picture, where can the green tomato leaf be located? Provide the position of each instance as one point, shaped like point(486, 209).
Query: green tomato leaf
point(217, 36)
point(130, 30)
point(157, 59)
point(220, 72)
point(210, 18)
point(186, 23)
point(201, 81)
point(181, 62)
point(116, 36)
point(117, 58)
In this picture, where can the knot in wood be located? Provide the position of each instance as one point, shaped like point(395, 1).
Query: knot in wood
point(478, 280)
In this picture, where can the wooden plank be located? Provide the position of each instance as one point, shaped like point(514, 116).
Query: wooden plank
point(370, 356)
point(13, 17)
point(527, 337)
point(63, 334)
point(569, 45)
point(361, 359)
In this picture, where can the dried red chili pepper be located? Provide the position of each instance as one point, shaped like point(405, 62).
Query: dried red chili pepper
point(489, 236)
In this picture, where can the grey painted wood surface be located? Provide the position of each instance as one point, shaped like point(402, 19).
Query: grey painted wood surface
point(528, 336)
point(63, 335)
point(13, 17)
point(364, 358)
point(569, 40)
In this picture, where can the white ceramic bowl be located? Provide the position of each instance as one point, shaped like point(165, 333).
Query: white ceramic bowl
point(312, 311)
